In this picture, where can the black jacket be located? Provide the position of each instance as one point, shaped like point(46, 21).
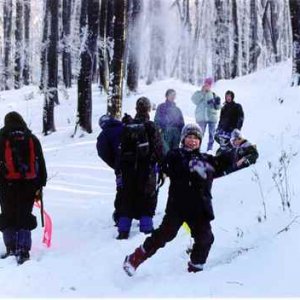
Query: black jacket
point(232, 117)
point(190, 194)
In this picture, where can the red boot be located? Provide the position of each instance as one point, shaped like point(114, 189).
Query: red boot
point(133, 260)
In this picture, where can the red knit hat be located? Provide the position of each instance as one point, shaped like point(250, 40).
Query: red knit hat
point(208, 81)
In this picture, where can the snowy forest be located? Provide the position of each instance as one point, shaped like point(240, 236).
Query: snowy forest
point(116, 43)
point(66, 66)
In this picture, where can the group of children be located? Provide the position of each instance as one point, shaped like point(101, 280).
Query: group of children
point(142, 153)
point(173, 150)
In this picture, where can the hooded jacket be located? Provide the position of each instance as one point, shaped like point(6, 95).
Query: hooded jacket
point(108, 141)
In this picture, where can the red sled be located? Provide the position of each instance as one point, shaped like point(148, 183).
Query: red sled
point(47, 236)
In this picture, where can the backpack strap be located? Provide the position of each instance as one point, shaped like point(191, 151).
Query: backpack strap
point(12, 173)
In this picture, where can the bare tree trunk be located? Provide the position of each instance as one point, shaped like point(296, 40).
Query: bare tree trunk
point(222, 56)
point(267, 30)
point(51, 94)
point(19, 44)
point(26, 68)
point(295, 20)
point(195, 43)
point(7, 25)
point(103, 59)
point(134, 38)
point(254, 43)
point(275, 29)
point(44, 47)
point(66, 56)
point(114, 101)
point(235, 58)
point(244, 39)
point(52, 51)
point(89, 40)
point(111, 6)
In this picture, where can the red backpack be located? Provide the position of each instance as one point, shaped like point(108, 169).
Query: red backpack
point(20, 156)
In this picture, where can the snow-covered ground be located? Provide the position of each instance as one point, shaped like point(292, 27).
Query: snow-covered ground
point(248, 257)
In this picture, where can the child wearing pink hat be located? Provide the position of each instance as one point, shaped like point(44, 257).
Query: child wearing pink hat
point(208, 105)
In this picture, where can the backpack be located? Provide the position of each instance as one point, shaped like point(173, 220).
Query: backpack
point(134, 145)
point(19, 156)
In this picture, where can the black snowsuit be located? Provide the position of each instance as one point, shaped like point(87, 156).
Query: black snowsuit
point(17, 196)
point(232, 117)
point(189, 201)
point(139, 197)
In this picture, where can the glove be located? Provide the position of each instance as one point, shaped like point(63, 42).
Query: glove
point(200, 167)
point(217, 100)
point(210, 102)
point(119, 181)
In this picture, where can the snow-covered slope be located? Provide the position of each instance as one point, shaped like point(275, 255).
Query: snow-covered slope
point(248, 257)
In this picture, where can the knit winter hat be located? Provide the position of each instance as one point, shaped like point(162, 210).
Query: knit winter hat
point(236, 134)
point(143, 105)
point(208, 81)
point(190, 129)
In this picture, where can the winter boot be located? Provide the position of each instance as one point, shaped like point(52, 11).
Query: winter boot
point(9, 252)
point(123, 235)
point(124, 225)
point(22, 256)
point(146, 224)
point(133, 260)
point(195, 267)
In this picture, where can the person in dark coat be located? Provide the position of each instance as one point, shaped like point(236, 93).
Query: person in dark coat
point(169, 119)
point(191, 176)
point(232, 115)
point(139, 198)
point(108, 144)
point(19, 188)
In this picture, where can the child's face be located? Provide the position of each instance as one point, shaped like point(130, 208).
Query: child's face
point(236, 142)
point(192, 142)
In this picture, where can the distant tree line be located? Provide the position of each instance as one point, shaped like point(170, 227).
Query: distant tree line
point(117, 43)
